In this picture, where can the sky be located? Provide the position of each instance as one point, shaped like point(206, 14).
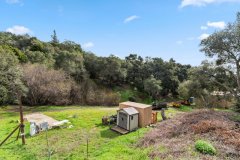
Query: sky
point(154, 28)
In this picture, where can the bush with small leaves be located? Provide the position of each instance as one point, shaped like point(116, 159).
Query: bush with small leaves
point(205, 147)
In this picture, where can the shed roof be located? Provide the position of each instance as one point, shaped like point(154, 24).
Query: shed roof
point(130, 111)
point(134, 104)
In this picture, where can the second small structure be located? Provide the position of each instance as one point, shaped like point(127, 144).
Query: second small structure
point(127, 118)
point(145, 112)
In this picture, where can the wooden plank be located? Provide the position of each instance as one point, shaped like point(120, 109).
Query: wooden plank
point(119, 130)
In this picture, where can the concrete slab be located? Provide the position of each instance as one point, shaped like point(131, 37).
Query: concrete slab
point(39, 118)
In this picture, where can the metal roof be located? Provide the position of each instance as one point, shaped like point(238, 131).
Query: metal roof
point(130, 110)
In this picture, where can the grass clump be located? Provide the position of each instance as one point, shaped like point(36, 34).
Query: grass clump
point(205, 147)
point(184, 108)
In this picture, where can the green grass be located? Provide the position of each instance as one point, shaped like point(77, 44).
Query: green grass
point(70, 143)
point(236, 117)
point(205, 147)
point(184, 108)
point(126, 93)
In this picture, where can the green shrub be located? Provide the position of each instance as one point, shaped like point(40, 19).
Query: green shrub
point(205, 147)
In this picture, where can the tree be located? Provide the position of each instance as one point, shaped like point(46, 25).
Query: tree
point(164, 71)
point(72, 63)
point(20, 55)
point(224, 46)
point(135, 71)
point(201, 85)
point(40, 57)
point(54, 38)
point(92, 64)
point(112, 73)
point(11, 84)
point(152, 87)
point(70, 46)
point(37, 45)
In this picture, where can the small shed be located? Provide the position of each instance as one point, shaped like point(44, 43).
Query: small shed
point(127, 118)
point(145, 112)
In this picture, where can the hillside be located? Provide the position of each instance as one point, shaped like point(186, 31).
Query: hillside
point(80, 77)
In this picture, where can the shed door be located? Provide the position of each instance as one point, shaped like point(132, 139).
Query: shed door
point(122, 120)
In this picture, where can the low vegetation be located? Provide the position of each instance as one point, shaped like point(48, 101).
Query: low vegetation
point(179, 134)
point(205, 147)
point(70, 143)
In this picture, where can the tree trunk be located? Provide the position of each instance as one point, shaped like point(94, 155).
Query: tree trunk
point(238, 75)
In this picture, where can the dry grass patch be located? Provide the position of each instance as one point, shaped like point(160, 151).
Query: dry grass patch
point(179, 134)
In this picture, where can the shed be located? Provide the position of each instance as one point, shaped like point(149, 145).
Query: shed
point(127, 118)
point(145, 112)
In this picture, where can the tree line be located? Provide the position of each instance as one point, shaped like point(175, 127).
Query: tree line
point(62, 73)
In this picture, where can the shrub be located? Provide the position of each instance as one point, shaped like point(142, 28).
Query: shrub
point(102, 97)
point(205, 147)
point(78, 93)
point(185, 108)
point(132, 99)
point(46, 86)
point(89, 93)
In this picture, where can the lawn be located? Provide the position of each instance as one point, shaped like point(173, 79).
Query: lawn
point(71, 143)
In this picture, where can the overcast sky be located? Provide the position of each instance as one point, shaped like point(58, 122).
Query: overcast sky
point(155, 28)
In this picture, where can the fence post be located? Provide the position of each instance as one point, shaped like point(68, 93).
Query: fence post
point(138, 133)
point(87, 147)
point(49, 151)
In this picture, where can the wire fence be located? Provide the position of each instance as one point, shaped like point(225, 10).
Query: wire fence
point(90, 141)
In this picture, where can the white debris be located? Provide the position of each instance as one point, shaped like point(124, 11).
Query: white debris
point(33, 128)
point(71, 126)
point(60, 123)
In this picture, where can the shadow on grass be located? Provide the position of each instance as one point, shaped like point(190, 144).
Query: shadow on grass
point(108, 133)
point(100, 125)
point(8, 114)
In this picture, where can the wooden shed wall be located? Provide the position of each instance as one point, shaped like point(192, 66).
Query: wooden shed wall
point(145, 112)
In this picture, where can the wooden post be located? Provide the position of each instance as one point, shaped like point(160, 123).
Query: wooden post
point(49, 151)
point(87, 147)
point(9, 135)
point(20, 126)
point(21, 121)
point(163, 114)
point(18, 133)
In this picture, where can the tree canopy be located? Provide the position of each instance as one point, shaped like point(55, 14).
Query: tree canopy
point(224, 47)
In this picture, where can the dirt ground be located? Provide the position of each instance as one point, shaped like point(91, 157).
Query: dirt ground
point(177, 136)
